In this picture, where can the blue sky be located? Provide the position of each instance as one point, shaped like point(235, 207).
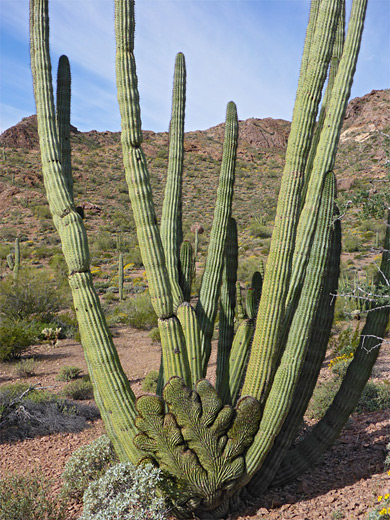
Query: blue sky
point(247, 51)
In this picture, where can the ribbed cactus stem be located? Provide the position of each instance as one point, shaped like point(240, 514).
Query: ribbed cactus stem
point(207, 305)
point(251, 303)
point(171, 219)
point(63, 119)
point(257, 286)
point(319, 334)
point(334, 64)
point(233, 375)
point(329, 427)
point(239, 303)
point(287, 375)
point(174, 350)
point(227, 305)
point(186, 269)
point(136, 170)
point(265, 349)
point(17, 258)
point(327, 146)
point(114, 392)
point(187, 317)
point(120, 276)
point(10, 261)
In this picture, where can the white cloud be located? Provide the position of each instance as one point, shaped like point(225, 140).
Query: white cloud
point(245, 50)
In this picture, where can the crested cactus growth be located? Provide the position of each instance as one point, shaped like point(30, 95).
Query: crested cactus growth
point(215, 442)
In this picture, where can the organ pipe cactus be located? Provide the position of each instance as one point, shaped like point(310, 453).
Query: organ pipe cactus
point(215, 442)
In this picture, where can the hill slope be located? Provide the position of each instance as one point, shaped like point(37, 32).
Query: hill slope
point(100, 186)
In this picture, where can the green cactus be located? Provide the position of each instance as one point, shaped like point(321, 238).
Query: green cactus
point(14, 264)
point(215, 442)
point(120, 276)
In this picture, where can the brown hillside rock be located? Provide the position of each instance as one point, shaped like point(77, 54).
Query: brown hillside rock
point(24, 134)
point(366, 115)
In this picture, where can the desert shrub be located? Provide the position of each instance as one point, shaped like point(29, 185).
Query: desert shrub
point(125, 492)
point(15, 338)
point(375, 396)
point(8, 233)
point(34, 295)
point(87, 464)
point(79, 390)
point(246, 267)
point(323, 394)
point(346, 343)
point(30, 411)
point(41, 211)
point(5, 250)
point(10, 393)
point(382, 510)
point(137, 312)
point(154, 335)
point(339, 365)
point(149, 384)
point(58, 265)
point(352, 243)
point(260, 231)
point(68, 324)
point(67, 373)
point(28, 497)
point(26, 367)
point(103, 241)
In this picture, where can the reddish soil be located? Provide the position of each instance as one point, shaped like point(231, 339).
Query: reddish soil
point(347, 480)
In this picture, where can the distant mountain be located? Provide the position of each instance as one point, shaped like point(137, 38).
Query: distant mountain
point(101, 189)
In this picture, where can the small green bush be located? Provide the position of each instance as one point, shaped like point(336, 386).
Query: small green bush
point(154, 335)
point(26, 367)
point(15, 338)
point(42, 211)
point(352, 243)
point(79, 390)
point(68, 373)
point(29, 497)
point(346, 342)
point(38, 412)
point(87, 464)
point(11, 393)
point(260, 231)
point(322, 396)
point(246, 267)
point(137, 312)
point(34, 295)
point(375, 397)
point(126, 492)
point(149, 384)
point(382, 510)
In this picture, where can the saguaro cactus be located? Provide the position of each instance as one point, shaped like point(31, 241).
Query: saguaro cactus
point(215, 442)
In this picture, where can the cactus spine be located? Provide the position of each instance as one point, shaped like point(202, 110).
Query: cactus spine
point(214, 442)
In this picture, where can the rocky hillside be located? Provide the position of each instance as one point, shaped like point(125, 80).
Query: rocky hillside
point(100, 186)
